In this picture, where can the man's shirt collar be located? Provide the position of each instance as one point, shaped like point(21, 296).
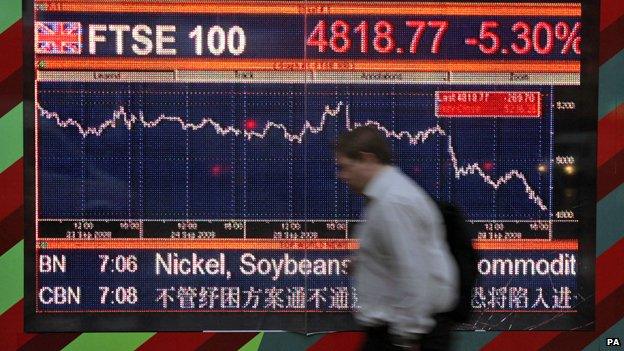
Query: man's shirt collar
point(378, 185)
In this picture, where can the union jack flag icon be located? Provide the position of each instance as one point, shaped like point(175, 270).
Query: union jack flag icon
point(58, 38)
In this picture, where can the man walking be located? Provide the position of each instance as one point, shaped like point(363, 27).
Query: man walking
point(405, 275)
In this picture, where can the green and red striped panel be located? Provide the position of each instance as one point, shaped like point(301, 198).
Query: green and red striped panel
point(609, 241)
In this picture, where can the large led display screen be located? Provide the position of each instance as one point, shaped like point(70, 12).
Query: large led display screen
point(180, 173)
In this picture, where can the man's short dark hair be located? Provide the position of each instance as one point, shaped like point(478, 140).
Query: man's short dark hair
point(364, 139)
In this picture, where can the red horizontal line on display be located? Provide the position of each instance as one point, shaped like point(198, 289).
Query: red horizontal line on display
point(314, 8)
point(198, 64)
point(272, 244)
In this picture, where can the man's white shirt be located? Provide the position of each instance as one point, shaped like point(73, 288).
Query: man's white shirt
point(404, 271)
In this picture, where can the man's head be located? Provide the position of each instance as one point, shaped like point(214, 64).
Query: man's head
point(361, 153)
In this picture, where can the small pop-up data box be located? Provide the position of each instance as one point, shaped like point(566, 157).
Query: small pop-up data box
point(488, 104)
